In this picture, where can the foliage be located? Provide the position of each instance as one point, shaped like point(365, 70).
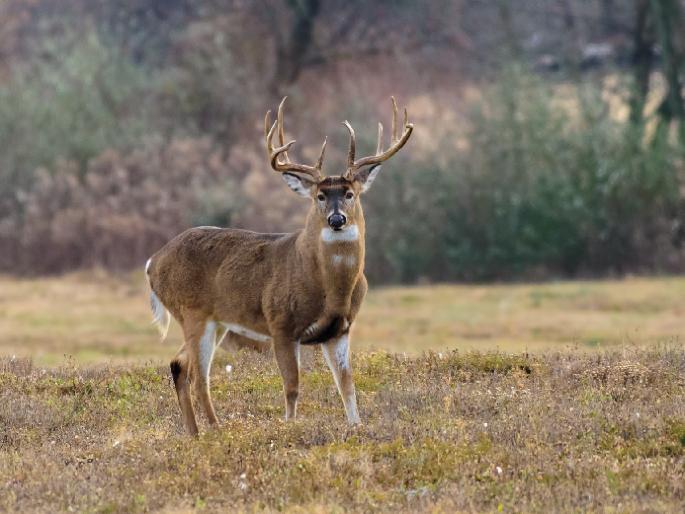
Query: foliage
point(544, 181)
point(83, 98)
point(91, 172)
point(120, 210)
point(210, 83)
point(539, 189)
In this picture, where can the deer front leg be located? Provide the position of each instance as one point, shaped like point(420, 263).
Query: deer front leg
point(288, 360)
point(337, 355)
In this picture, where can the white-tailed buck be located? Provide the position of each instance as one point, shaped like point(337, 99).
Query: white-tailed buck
point(285, 289)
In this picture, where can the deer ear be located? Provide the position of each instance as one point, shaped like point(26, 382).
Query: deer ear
point(301, 185)
point(366, 177)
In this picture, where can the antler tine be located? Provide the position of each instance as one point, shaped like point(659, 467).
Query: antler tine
point(267, 124)
point(268, 133)
point(397, 142)
point(353, 145)
point(379, 145)
point(394, 120)
point(281, 127)
point(319, 162)
point(274, 153)
point(282, 149)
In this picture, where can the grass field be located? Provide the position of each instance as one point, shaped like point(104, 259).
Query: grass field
point(551, 397)
point(457, 432)
point(95, 318)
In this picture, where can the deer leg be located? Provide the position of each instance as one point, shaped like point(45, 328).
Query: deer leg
point(288, 360)
point(202, 337)
point(337, 355)
point(180, 368)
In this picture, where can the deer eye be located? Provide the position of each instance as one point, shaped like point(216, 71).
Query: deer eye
point(349, 195)
point(321, 197)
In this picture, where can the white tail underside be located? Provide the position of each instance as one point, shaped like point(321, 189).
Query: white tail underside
point(160, 315)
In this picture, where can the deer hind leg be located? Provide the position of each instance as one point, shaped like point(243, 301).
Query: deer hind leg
point(337, 355)
point(288, 360)
point(202, 338)
point(180, 371)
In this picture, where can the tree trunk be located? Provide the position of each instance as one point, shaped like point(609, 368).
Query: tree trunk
point(572, 44)
point(643, 41)
point(513, 47)
point(608, 20)
point(292, 50)
point(667, 17)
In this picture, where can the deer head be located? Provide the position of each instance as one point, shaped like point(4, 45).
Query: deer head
point(336, 197)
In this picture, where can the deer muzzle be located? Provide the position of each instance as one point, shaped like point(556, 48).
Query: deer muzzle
point(337, 221)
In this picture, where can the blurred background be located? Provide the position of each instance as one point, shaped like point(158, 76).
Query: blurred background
point(549, 152)
point(549, 142)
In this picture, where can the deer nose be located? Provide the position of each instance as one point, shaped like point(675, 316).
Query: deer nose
point(337, 220)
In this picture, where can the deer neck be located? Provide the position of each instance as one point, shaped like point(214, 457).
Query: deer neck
point(338, 256)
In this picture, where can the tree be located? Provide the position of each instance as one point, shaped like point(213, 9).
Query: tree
point(642, 60)
point(668, 20)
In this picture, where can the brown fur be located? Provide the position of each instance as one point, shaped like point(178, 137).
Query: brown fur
point(273, 284)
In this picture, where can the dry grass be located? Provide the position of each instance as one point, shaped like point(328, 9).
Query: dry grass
point(442, 433)
point(601, 428)
point(98, 317)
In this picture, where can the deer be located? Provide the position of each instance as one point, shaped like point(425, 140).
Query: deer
point(278, 289)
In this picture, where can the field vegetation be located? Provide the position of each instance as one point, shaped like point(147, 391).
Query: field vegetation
point(442, 432)
point(101, 317)
point(547, 397)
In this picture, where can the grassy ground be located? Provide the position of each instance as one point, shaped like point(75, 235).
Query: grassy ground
point(573, 401)
point(442, 433)
point(95, 318)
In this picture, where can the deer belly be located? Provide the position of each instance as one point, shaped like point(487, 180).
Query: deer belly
point(246, 332)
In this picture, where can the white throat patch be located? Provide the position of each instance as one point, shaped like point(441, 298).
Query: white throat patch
point(349, 260)
point(328, 235)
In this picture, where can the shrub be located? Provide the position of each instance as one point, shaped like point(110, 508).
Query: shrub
point(101, 160)
point(121, 210)
point(539, 190)
point(208, 87)
point(80, 99)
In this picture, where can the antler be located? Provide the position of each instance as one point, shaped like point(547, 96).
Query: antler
point(396, 142)
point(282, 150)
